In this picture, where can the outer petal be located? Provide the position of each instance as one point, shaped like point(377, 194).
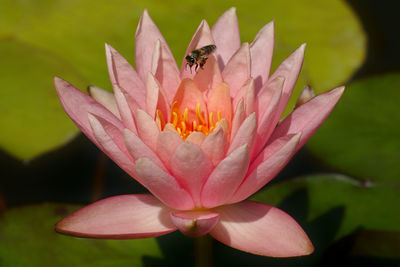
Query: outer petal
point(268, 164)
point(165, 70)
point(215, 145)
point(167, 142)
point(162, 185)
point(237, 70)
point(138, 149)
point(191, 166)
point(119, 217)
point(289, 69)
point(201, 38)
point(196, 138)
point(77, 105)
point(261, 229)
point(147, 128)
point(238, 118)
point(246, 93)
point(195, 223)
point(146, 37)
point(105, 98)
point(261, 51)
point(225, 178)
point(246, 134)
point(126, 106)
point(226, 35)
point(125, 76)
point(308, 117)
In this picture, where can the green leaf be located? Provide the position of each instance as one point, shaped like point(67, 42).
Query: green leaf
point(32, 120)
point(361, 137)
point(28, 239)
point(357, 205)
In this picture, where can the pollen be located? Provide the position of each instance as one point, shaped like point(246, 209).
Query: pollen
point(185, 124)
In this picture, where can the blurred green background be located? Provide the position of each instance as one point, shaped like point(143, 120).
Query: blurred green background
point(343, 187)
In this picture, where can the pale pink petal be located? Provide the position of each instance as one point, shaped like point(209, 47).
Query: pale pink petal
point(226, 35)
point(167, 143)
point(196, 138)
point(225, 178)
point(164, 68)
point(289, 69)
point(125, 108)
point(250, 98)
point(119, 217)
point(201, 38)
point(215, 145)
point(188, 96)
point(261, 229)
point(147, 129)
point(241, 94)
point(237, 70)
point(77, 105)
point(110, 141)
point(125, 76)
point(138, 149)
point(209, 77)
point(269, 116)
point(238, 118)
point(246, 134)
point(146, 37)
point(195, 223)
point(191, 167)
point(162, 185)
point(306, 94)
point(261, 51)
point(105, 98)
point(266, 166)
point(220, 101)
point(155, 98)
point(308, 117)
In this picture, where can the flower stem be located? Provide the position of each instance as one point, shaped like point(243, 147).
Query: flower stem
point(203, 251)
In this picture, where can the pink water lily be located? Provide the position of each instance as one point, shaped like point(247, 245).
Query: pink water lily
point(201, 142)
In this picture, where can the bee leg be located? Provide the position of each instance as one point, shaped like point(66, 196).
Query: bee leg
point(197, 66)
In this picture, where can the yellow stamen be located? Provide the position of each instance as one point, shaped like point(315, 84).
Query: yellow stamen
point(186, 115)
point(174, 118)
point(198, 114)
point(210, 120)
point(219, 115)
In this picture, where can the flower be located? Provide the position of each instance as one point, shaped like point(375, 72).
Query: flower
point(200, 141)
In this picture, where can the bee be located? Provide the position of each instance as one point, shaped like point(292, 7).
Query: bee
point(199, 56)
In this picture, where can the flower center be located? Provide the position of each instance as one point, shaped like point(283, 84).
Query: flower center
point(183, 125)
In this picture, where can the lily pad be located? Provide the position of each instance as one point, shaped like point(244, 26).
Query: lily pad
point(32, 119)
point(361, 137)
point(357, 205)
point(28, 239)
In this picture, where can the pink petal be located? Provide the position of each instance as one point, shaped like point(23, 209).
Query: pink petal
point(246, 134)
point(261, 229)
point(165, 70)
point(237, 70)
point(226, 177)
point(194, 223)
point(147, 129)
point(226, 35)
point(146, 37)
point(261, 51)
point(196, 138)
point(111, 141)
point(155, 98)
point(124, 75)
point(105, 98)
point(266, 166)
point(215, 145)
point(124, 108)
point(289, 69)
point(138, 149)
point(242, 94)
point(201, 38)
point(188, 95)
point(220, 101)
point(308, 117)
point(191, 167)
point(162, 185)
point(119, 217)
point(167, 143)
point(268, 112)
point(238, 118)
point(210, 76)
point(77, 105)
